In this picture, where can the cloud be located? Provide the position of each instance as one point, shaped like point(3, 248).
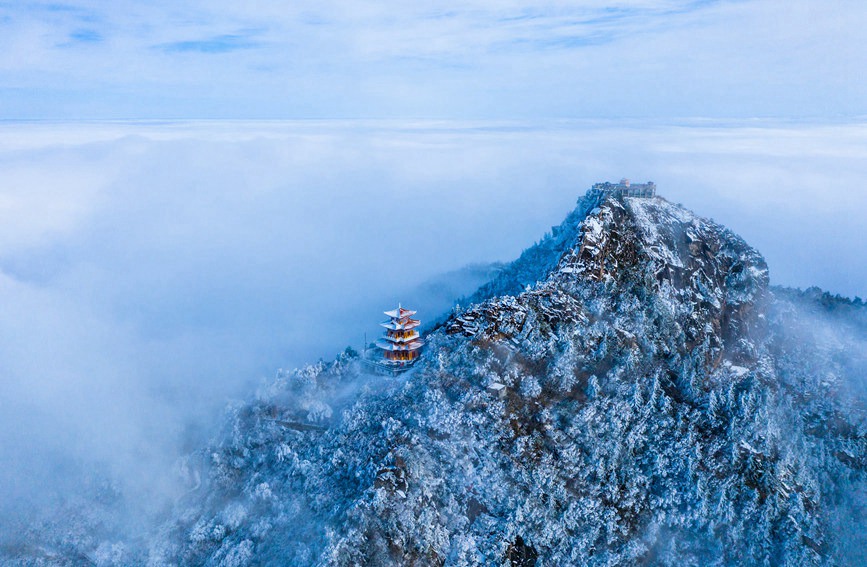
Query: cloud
point(85, 36)
point(480, 59)
point(217, 44)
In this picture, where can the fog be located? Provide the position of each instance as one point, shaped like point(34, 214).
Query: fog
point(152, 271)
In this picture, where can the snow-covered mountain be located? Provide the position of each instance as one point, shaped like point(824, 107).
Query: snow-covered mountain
point(630, 391)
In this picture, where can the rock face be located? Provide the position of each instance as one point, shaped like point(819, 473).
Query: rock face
point(629, 391)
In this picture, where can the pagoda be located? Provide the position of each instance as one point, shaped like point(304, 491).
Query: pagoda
point(401, 344)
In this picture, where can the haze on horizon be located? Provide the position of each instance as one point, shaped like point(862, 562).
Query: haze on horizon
point(513, 59)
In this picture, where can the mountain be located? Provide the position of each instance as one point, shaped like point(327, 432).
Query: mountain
point(630, 391)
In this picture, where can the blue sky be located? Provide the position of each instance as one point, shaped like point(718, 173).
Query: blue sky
point(450, 60)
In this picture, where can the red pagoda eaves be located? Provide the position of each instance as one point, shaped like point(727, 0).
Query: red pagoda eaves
point(401, 344)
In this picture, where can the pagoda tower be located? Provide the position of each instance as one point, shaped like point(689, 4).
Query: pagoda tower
point(401, 344)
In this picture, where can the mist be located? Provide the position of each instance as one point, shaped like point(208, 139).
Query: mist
point(152, 271)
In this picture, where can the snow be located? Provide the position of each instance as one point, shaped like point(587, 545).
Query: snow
point(739, 371)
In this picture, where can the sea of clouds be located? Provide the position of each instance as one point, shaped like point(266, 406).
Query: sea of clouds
point(151, 271)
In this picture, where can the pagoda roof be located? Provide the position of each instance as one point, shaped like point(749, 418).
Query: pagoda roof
point(400, 312)
point(398, 340)
point(386, 345)
point(396, 325)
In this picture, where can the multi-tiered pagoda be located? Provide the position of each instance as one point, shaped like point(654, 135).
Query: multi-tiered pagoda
point(401, 344)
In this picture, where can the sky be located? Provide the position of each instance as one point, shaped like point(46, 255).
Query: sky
point(196, 194)
point(477, 59)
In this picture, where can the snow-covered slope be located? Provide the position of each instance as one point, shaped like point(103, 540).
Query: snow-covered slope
point(630, 391)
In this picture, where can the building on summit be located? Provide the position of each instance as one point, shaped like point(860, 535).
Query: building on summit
point(627, 189)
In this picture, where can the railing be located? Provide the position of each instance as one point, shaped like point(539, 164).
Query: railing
point(386, 367)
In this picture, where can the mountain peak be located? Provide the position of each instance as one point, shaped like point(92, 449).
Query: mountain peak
point(609, 231)
point(621, 247)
